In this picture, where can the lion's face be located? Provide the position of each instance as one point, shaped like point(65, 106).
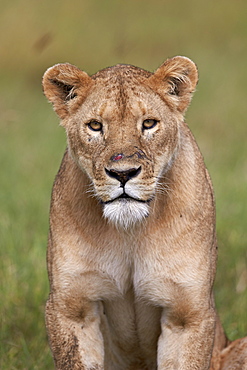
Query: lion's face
point(122, 132)
point(124, 143)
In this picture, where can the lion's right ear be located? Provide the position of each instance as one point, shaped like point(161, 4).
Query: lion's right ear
point(63, 85)
point(176, 81)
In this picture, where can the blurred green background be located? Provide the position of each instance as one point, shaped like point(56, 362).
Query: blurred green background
point(93, 34)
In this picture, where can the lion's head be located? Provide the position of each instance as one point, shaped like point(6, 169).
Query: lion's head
point(123, 128)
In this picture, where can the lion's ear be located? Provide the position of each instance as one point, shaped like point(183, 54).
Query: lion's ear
point(176, 79)
point(64, 83)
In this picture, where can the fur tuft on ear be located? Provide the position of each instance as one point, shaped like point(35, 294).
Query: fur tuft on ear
point(175, 79)
point(64, 82)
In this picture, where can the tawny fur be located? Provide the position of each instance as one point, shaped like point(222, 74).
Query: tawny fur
point(132, 247)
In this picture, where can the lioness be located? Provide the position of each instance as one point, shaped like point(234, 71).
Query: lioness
point(132, 246)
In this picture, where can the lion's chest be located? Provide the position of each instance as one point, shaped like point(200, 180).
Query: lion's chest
point(112, 274)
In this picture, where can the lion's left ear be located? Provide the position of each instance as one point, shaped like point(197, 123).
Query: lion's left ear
point(64, 82)
point(176, 79)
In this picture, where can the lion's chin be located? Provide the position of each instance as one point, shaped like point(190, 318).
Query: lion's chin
point(125, 213)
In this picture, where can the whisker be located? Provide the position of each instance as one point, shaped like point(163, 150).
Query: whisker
point(90, 190)
point(164, 187)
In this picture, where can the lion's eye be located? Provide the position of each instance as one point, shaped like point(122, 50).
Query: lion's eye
point(147, 124)
point(95, 126)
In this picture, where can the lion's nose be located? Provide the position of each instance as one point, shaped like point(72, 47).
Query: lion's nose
point(123, 176)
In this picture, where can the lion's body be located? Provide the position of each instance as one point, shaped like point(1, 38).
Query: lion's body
point(132, 246)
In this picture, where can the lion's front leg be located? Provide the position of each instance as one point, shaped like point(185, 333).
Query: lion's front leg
point(186, 343)
point(75, 338)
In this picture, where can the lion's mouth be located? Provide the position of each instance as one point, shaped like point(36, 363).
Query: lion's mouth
point(127, 198)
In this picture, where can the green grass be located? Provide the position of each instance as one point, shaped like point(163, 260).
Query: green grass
point(30, 151)
point(94, 34)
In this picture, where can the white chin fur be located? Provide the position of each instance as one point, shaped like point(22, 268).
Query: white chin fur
point(125, 213)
